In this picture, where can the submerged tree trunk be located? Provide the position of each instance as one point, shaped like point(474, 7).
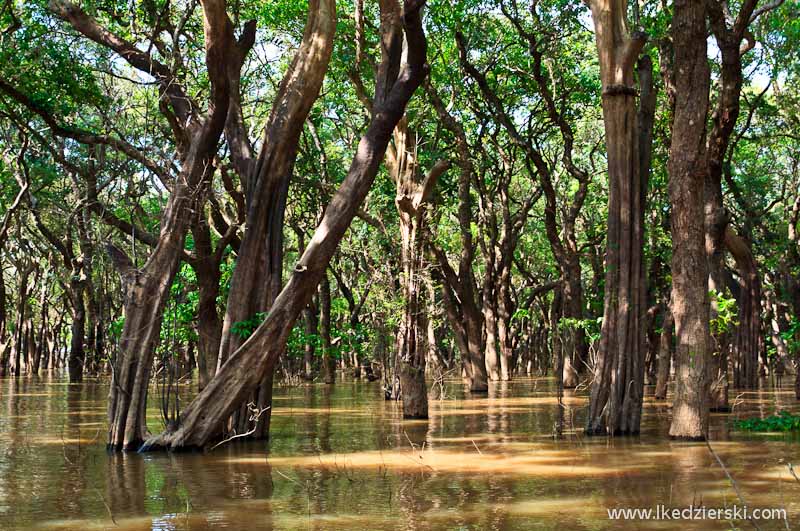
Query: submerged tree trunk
point(458, 288)
point(687, 170)
point(664, 356)
point(147, 289)
point(246, 368)
point(310, 327)
point(328, 362)
point(618, 387)
point(413, 192)
point(748, 327)
point(77, 354)
point(573, 347)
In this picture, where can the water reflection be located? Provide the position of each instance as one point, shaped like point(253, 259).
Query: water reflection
point(343, 458)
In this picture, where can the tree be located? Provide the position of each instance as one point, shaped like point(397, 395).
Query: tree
point(247, 367)
point(687, 171)
point(618, 386)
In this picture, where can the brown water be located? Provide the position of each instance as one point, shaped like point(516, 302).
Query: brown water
point(342, 458)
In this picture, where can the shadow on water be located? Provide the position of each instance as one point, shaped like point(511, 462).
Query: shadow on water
point(342, 458)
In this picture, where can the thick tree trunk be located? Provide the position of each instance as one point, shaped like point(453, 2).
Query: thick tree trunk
point(687, 169)
point(748, 327)
point(247, 367)
point(618, 386)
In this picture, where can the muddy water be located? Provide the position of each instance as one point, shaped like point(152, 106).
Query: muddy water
point(342, 458)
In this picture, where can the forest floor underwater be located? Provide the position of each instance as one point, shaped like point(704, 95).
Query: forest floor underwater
point(342, 458)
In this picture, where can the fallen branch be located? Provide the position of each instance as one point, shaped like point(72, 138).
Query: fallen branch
point(255, 415)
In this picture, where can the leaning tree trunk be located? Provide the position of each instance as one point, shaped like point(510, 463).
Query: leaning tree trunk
point(147, 289)
point(246, 368)
point(617, 391)
point(687, 168)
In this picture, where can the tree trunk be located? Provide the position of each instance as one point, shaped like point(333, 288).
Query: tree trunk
point(77, 354)
point(573, 344)
point(257, 278)
point(748, 328)
point(311, 325)
point(504, 311)
point(22, 311)
point(328, 363)
point(209, 326)
point(618, 387)
point(4, 341)
point(490, 325)
point(413, 192)
point(459, 290)
point(687, 169)
point(664, 356)
point(247, 367)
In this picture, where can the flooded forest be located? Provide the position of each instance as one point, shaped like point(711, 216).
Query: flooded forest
point(399, 264)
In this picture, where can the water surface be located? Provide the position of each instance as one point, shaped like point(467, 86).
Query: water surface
point(343, 458)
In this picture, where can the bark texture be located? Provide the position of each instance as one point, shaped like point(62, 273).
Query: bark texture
point(687, 171)
point(413, 192)
point(257, 280)
point(618, 386)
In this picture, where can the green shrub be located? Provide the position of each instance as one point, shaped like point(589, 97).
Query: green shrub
point(783, 421)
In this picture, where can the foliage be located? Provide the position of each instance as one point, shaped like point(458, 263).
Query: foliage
point(244, 329)
point(725, 318)
point(783, 421)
